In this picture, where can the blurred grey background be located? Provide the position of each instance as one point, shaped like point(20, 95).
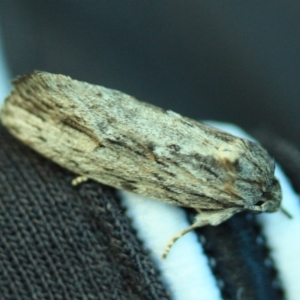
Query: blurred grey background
point(234, 61)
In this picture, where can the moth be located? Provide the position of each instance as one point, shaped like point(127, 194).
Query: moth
point(108, 136)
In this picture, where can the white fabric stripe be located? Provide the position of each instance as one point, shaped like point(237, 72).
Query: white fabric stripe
point(185, 270)
point(283, 238)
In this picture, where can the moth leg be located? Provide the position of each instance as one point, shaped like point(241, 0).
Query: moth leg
point(176, 237)
point(79, 179)
point(203, 218)
point(214, 217)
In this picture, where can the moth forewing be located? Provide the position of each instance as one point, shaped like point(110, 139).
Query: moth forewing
point(111, 137)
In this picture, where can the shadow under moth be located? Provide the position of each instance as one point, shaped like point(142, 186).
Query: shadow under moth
point(108, 136)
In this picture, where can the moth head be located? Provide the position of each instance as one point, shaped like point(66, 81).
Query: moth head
point(270, 199)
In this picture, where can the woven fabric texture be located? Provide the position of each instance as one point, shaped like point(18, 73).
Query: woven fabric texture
point(64, 242)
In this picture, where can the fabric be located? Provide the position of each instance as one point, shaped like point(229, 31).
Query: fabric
point(61, 242)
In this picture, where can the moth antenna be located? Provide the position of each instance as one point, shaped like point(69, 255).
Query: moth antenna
point(285, 212)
